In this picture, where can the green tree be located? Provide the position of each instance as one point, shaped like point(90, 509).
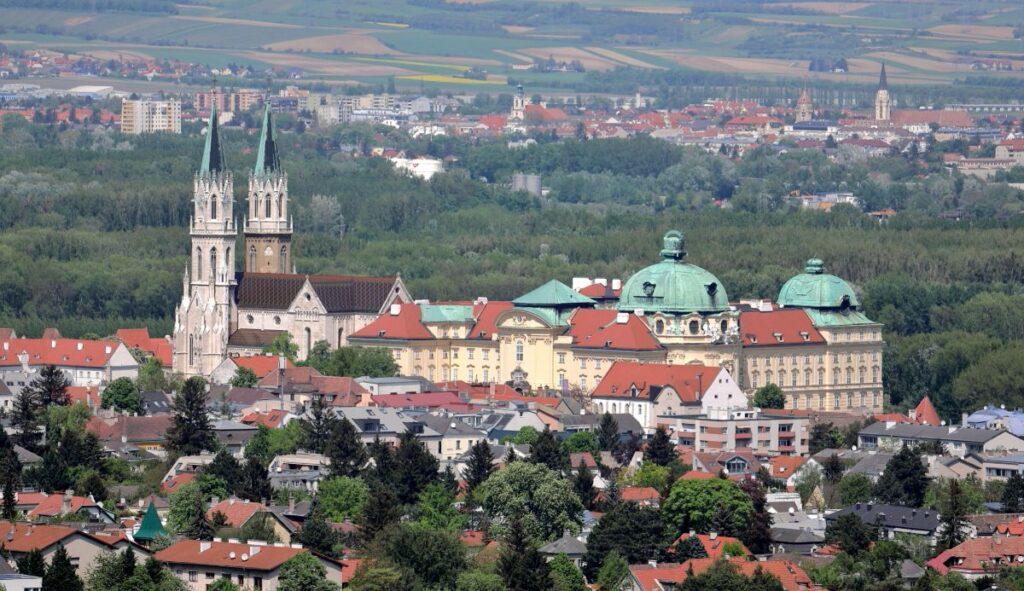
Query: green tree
point(50, 387)
point(259, 527)
point(565, 576)
point(661, 450)
point(533, 494)
point(189, 433)
point(24, 418)
point(525, 436)
point(850, 534)
point(520, 565)
point(346, 451)
point(304, 572)
point(342, 497)
point(316, 534)
point(475, 580)
point(415, 468)
point(434, 555)
point(953, 511)
point(691, 505)
point(757, 535)
point(545, 450)
point(904, 480)
point(244, 378)
point(254, 483)
point(635, 533)
point(651, 475)
point(283, 345)
point(807, 482)
point(269, 443)
point(581, 441)
point(436, 509)
point(32, 564)
point(1013, 493)
point(769, 396)
point(318, 428)
point(223, 585)
point(608, 432)
point(583, 485)
point(688, 548)
point(378, 579)
point(479, 466)
point(725, 576)
point(151, 376)
point(225, 467)
point(855, 488)
point(380, 511)
point(613, 571)
point(123, 396)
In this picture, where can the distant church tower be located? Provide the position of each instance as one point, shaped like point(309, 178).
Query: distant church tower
point(268, 227)
point(203, 320)
point(519, 104)
point(882, 100)
point(804, 107)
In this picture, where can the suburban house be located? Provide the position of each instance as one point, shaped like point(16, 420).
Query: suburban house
point(253, 565)
point(957, 441)
point(892, 519)
point(21, 538)
point(68, 503)
point(299, 470)
point(261, 365)
point(979, 557)
point(663, 577)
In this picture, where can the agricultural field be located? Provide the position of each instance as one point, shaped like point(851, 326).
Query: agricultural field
point(432, 42)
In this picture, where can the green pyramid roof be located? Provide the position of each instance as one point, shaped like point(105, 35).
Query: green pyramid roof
point(150, 526)
point(553, 294)
point(213, 154)
point(266, 158)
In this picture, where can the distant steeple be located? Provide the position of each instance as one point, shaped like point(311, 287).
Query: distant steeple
point(213, 155)
point(883, 84)
point(267, 160)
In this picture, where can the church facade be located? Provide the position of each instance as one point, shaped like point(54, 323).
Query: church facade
point(225, 313)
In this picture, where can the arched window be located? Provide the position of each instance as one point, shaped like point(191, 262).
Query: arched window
point(213, 208)
point(768, 377)
point(694, 327)
point(213, 265)
point(754, 378)
point(252, 259)
point(849, 375)
point(821, 401)
point(659, 326)
point(487, 375)
point(309, 341)
point(199, 264)
point(341, 336)
point(267, 202)
point(835, 376)
point(283, 266)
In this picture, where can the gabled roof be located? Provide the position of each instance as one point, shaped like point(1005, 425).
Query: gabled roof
point(782, 467)
point(254, 337)
point(53, 504)
point(567, 544)
point(713, 462)
point(271, 419)
point(227, 555)
point(446, 400)
point(25, 537)
point(792, 577)
point(553, 294)
point(651, 378)
point(599, 291)
point(59, 352)
point(486, 319)
point(713, 543)
point(237, 511)
point(337, 293)
point(147, 429)
point(891, 516)
point(602, 329)
point(260, 365)
point(979, 555)
point(139, 338)
point(404, 325)
point(786, 327)
point(639, 494)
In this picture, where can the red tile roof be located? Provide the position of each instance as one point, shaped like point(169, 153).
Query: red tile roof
point(925, 414)
point(52, 504)
point(696, 475)
point(639, 494)
point(88, 394)
point(58, 351)
point(237, 511)
point(175, 482)
point(778, 328)
point(1014, 527)
point(139, 338)
point(345, 390)
point(27, 537)
point(544, 114)
point(979, 555)
point(271, 419)
point(260, 365)
point(942, 117)
point(600, 329)
point(782, 467)
point(445, 400)
point(588, 460)
point(792, 577)
point(146, 429)
point(600, 292)
point(403, 326)
point(623, 375)
point(713, 543)
point(486, 316)
point(219, 554)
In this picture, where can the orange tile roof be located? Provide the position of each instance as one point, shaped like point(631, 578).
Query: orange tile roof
point(925, 413)
point(639, 494)
point(218, 554)
point(139, 338)
point(777, 328)
point(599, 329)
point(27, 537)
point(1014, 527)
point(979, 555)
point(598, 291)
point(88, 394)
point(237, 511)
point(51, 505)
point(695, 475)
point(782, 467)
point(271, 419)
point(792, 577)
point(58, 351)
point(405, 325)
point(486, 316)
point(260, 365)
point(175, 482)
point(623, 375)
point(713, 543)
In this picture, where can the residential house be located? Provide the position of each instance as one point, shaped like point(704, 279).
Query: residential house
point(667, 576)
point(455, 437)
point(571, 546)
point(715, 545)
point(84, 362)
point(253, 566)
point(261, 365)
point(159, 348)
point(147, 433)
point(67, 503)
point(299, 385)
point(992, 417)
point(387, 424)
point(233, 435)
point(892, 519)
point(302, 471)
point(83, 549)
point(734, 464)
point(980, 557)
point(957, 441)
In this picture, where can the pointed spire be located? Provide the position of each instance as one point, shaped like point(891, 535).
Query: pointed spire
point(883, 84)
point(213, 155)
point(266, 158)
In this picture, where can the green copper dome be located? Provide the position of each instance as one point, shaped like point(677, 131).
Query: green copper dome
point(814, 288)
point(673, 286)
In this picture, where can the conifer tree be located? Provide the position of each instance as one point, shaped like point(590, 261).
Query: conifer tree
point(50, 387)
point(189, 433)
point(24, 418)
point(546, 451)
point(904, 480)
point(660, 450)
point(254, 484)
point(520, 565)
point(32, 564)
point(10, 506)
point(225, 467)
point(415, 468)
point(479, 466)
point(60, 574)
point(200, 528)
point(318, 426)
point(1013, 493)
point(379, 511)
point(316, 533)
point(583, 484)
point(608, 432)
point(347, 453)
point(952, 516)
point(510, 455)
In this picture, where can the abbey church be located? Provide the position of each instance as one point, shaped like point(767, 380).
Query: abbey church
point(225, 313)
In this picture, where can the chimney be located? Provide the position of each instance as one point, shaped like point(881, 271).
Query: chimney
point(65, 502)
point(78, 346)
point(616, 284)
point(652, 563)
point(53, 343)
point(712, 535)
point(291, 505)
point(963, 419)
point(621, 318)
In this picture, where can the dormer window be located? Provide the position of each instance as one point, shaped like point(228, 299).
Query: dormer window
point(805, 336)
point(778, 336)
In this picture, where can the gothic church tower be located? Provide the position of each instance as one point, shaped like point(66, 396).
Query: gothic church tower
point(204, 318)
point(804, 107)
point(882, 100)
point(268, 227)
